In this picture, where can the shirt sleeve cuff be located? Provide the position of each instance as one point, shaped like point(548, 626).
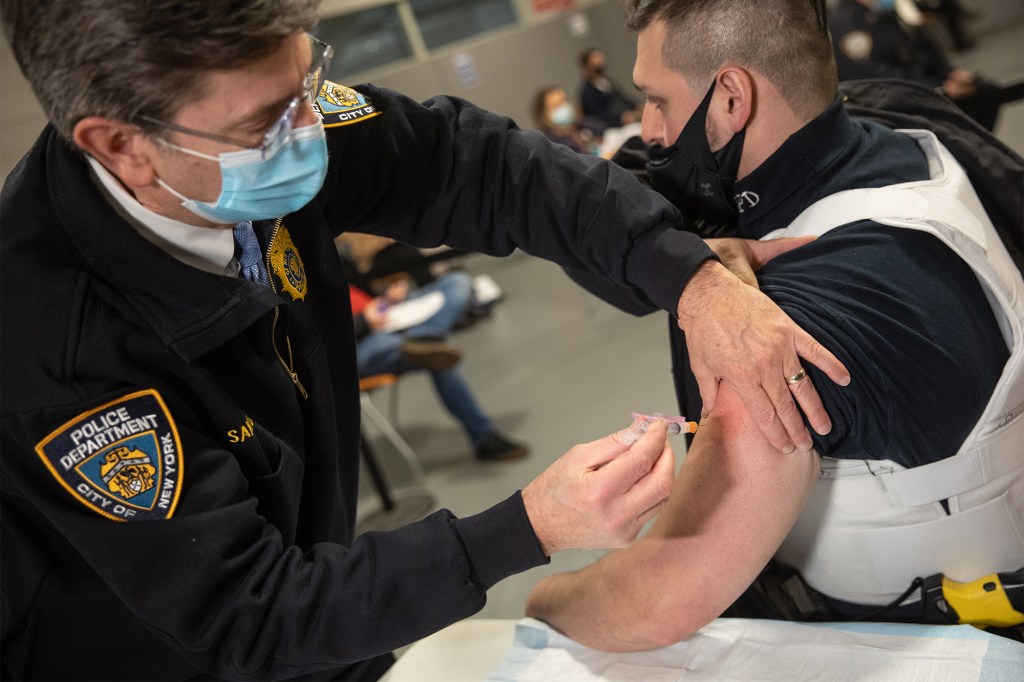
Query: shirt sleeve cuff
point(662, 261)
point(500, 542)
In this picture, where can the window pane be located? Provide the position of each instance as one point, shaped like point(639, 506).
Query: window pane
point(445, 21)
point(364, 40)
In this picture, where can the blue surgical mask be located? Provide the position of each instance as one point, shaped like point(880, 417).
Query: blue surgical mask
point(563, 115)
point(258, 187)
point(887, 5)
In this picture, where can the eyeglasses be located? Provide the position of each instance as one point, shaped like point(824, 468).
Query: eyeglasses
point(277, 133)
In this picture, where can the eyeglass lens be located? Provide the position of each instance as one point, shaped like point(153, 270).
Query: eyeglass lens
point(322, 53)
point(278, 132)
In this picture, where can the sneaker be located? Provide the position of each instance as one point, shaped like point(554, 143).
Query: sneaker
point(430, 353)
point(486, 291)
point(474, 313)
point(495, 447)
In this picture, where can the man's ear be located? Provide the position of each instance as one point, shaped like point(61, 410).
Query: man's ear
point(737, 86)
point(120, 147)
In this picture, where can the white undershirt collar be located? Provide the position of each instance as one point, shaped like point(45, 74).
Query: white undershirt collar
point(209, 249)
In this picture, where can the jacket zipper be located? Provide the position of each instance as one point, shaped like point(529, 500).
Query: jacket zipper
point(289, 365)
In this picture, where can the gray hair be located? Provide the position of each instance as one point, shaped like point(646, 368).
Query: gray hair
point(124, 59)
point(786, 41)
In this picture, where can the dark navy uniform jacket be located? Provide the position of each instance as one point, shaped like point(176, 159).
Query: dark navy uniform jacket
point(179, 449)
point(904, 314)
point(606, 107)
point(875, 44)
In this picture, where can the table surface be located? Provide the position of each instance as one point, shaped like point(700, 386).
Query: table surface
point(443, 655)
point(479, 649)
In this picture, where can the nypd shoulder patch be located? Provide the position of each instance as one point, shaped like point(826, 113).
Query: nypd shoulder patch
point(341, 106)
point(123, 459)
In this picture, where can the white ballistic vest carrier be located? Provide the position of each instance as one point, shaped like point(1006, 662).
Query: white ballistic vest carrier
point(871, 526)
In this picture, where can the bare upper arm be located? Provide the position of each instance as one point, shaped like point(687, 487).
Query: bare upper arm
point(734, 501)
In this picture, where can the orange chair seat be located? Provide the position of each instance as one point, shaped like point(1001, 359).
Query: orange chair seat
point(377, 381)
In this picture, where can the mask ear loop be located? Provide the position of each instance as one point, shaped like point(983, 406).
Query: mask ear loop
point(173, 191)
point(186, 150)
point(696, 128)
point(190, 204)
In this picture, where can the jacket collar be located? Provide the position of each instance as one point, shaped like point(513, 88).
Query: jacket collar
point(792, 177)
point(206, 248)
point(191, 310)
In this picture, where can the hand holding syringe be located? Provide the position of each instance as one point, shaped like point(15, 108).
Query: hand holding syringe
point(674, 426)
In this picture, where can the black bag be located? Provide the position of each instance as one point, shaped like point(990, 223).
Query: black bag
point(995, 170)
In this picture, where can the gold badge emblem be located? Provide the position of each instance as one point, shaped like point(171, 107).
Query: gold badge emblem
point(127, 472)
point(339, 105)
point(286, 265)
point(340, 96)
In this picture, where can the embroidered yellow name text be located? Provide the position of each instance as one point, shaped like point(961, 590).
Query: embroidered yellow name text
point(239, 435)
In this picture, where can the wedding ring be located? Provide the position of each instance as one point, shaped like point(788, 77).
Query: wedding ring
point(797, 378)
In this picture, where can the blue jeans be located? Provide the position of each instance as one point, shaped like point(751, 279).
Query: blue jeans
point(381, 352)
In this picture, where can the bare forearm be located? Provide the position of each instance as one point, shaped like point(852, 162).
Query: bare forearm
point(553, 600)
point(585, 607)
point(624, 602)
point(734, 502)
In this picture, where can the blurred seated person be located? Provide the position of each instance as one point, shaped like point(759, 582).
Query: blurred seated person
point(555, 116)
point(602, 102)
point(380, 257)
point(423, 345)
point(872, 40)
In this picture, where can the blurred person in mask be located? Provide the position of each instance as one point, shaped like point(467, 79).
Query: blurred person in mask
point(886, 39)
point(555, 116)
point(603, 104)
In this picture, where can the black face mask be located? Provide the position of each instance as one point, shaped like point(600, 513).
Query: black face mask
point(698, 181)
